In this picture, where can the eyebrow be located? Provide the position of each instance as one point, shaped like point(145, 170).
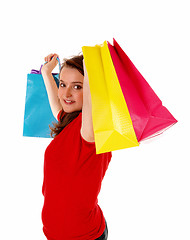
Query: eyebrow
point(72, 82)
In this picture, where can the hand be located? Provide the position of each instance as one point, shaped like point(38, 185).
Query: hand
point(52, 62)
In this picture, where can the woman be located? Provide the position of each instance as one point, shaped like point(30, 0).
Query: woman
point(73, 172)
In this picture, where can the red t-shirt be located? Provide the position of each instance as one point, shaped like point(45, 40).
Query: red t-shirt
point(73, 174)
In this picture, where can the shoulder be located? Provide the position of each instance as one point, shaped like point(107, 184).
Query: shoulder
point(86, 129)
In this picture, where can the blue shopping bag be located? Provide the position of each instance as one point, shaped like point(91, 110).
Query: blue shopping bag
point(38, 115)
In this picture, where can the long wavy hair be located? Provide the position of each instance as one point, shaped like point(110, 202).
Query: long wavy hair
point(75, 61)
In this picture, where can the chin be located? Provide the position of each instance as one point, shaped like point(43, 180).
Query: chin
point(72, 110)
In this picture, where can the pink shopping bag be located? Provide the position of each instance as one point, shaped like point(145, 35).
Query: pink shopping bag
point(148, 115)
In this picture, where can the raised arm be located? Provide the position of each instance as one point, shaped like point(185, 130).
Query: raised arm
point(87, 124)
point(50, 84)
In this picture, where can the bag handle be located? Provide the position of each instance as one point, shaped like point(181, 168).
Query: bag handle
point(33, 71)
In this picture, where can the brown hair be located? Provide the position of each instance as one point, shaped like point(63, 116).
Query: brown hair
point(75, 61)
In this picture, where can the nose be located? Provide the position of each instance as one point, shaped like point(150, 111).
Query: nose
point(68, 93)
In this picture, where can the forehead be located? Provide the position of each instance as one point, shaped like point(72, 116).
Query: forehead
point(71, 74)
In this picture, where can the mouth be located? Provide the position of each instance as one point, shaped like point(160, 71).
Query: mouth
point(68, 102)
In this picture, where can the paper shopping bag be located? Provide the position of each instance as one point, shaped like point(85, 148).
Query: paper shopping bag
point(113, 128)
point(38, 115)
point(148, 115)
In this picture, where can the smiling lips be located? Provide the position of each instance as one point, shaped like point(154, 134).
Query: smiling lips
point(68, 102)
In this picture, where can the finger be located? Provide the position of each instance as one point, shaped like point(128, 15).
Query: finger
point(49, 57)
point(52, 57)
point(55, 57)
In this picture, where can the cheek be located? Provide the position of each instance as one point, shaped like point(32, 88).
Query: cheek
point(81, 99)
point(80, 96)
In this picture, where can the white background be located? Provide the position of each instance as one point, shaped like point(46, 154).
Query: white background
point(145, 193)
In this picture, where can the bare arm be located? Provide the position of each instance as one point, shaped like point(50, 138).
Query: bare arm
point(87, 124)
point(51, 86)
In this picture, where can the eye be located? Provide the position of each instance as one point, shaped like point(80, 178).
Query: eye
point(61, 84)
point(79, 87)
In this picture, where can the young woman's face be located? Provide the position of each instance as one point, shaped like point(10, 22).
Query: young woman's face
point(71, 88)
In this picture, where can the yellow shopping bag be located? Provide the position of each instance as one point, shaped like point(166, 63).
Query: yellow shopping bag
point(113, 128)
